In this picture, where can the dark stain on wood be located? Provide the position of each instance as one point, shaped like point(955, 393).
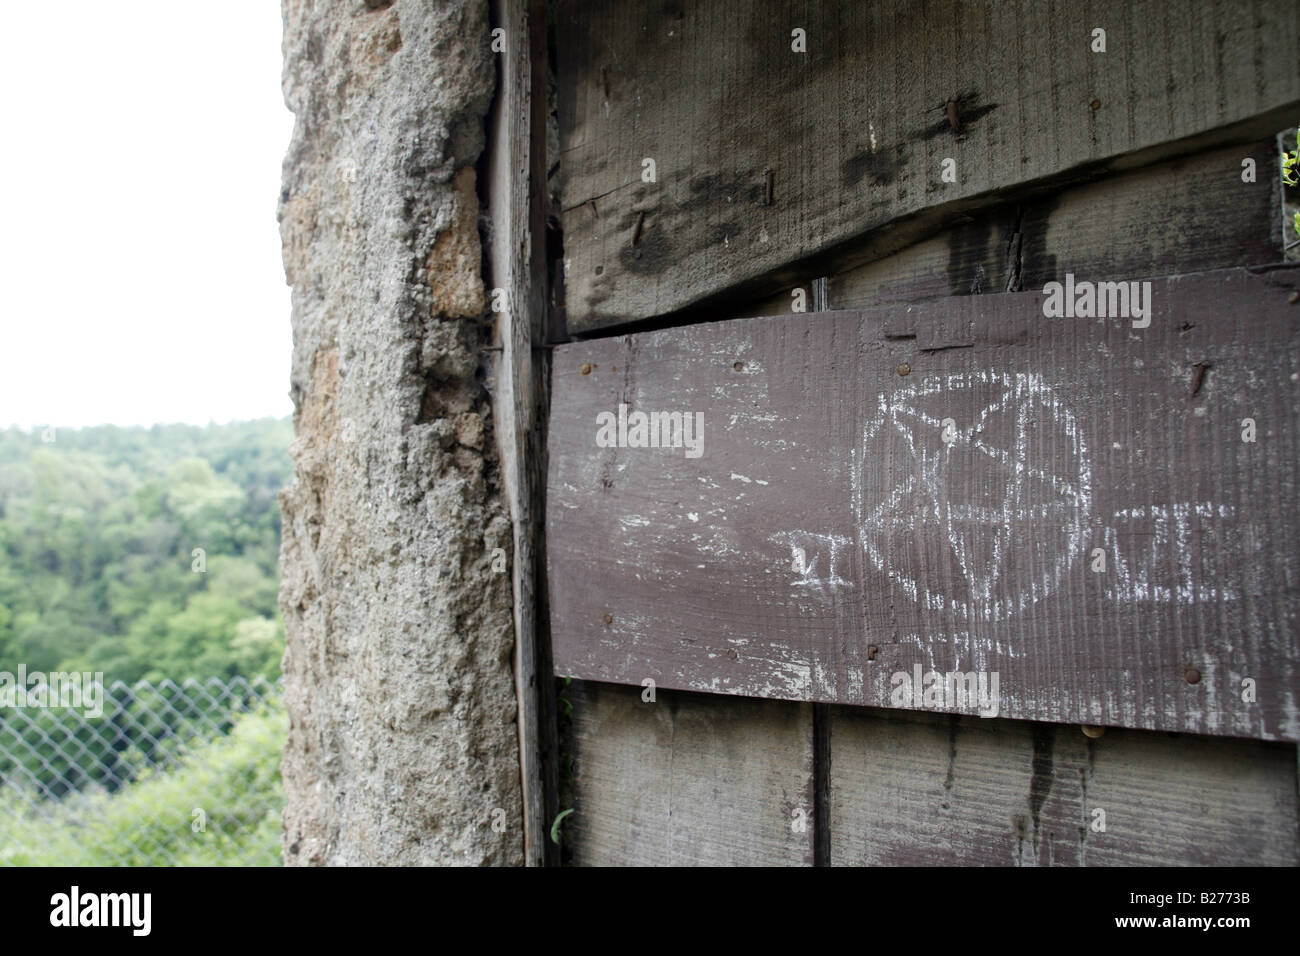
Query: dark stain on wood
point(879, 166)
point(968, 253)
point(651, 250)
point(1041, 770)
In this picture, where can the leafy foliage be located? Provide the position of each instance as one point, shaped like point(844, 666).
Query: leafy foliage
point(97, 534)
point(1291, 171)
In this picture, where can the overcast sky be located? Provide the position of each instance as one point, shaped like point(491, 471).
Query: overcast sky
point(139, 251)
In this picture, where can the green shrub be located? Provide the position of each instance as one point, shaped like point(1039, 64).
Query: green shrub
point(234, 781)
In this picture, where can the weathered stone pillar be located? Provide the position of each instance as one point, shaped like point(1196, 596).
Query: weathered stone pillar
point(398, 679)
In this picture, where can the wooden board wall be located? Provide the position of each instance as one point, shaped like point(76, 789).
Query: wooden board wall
point(921, 789)
point(853, 131)
point(910, 787)
point(1190, 214)
point(690, 779)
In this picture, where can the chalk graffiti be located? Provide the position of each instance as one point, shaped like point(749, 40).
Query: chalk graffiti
point(1145, 549)
point(996, 496)
point(807, 551)
point(975, 527)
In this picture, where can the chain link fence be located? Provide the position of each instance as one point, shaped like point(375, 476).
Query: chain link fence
point(168, 775)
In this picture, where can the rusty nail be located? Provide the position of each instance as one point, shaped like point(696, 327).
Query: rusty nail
point(1199, 375)
point(904, 369)
point(636, 230)
point(1092, 731)
point(738, 366)
point(1192, 675)
point(731, 652)
point(872, 651)
point(608, 619)
point(769, 187)
point(586, 368)
point(1095, 104)
point(953, 119)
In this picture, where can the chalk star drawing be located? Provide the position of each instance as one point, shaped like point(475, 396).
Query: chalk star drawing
point(1044, 509)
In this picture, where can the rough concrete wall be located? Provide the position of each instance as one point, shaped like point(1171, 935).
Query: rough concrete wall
point(398, 681)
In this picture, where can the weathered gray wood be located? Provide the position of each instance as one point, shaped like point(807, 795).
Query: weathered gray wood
point(690, 779)
point(1068, 435)
point(515, 180)
point(854, 131)
point(921, 789)
point(1191, 214)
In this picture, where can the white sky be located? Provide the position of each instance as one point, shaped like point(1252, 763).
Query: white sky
point(140, 276)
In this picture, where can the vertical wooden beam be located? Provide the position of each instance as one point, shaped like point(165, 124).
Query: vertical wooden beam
point(516, 193)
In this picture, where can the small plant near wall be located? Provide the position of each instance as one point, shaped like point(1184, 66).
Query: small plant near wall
point(1291, 172)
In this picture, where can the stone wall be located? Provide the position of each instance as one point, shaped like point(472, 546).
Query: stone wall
point(398, 678)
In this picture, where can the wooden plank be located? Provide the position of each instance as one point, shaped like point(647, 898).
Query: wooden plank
point(690, 779)
point(854, 131)
point(921, 789)
point(516, 257)
point(1068, 435)
point(1191, 214)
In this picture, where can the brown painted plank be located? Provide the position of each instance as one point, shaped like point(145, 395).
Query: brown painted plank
point(1068, 435)
point(689, 779)
point(922, 789)
point(1191, 214)
point(854, 131)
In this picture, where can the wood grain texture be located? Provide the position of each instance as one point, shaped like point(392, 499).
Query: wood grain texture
point(854, 131)
point(690, 779)
point(828, 537)
point(1192, 214)
point(516, 257)
point(921, 789)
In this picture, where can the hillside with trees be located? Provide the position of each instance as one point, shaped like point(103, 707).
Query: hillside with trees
point(99, 529)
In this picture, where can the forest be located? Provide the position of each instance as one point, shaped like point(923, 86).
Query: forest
point(142, 552)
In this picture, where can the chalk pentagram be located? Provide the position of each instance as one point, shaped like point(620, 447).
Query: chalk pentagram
point(975, 526)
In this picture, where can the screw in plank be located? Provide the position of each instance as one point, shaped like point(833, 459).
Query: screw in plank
point(1198, 376)
point(586, 368)
point(1095, 105)
point(904, 369)
point(608, 619)
point(1192, 675)
point(738, 366)
point(954, 119)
